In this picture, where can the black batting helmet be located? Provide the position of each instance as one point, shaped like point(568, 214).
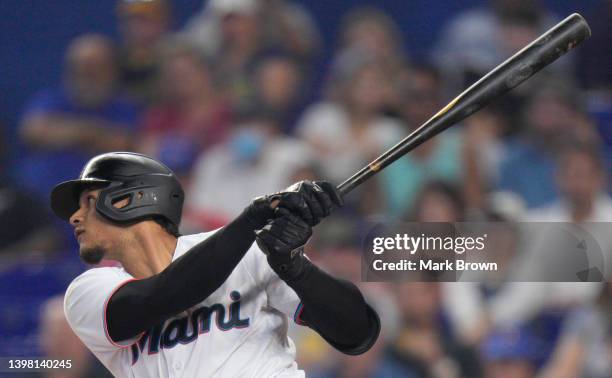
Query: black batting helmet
point(152, 189)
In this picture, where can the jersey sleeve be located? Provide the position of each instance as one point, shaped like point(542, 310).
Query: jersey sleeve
point(85, 308)
point(280, 295)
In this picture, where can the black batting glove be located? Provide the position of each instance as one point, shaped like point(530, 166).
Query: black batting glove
point(260, 211)
point(311, 201)
point(283, 240)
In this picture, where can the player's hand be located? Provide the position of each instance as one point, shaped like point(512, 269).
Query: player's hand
point(311, 201)
point(283, 240)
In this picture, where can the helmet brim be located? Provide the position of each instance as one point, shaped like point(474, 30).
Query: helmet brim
point(65, 196)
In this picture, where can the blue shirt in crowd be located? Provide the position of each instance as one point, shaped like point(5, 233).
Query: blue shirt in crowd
point(39, 170)
point(529, 172)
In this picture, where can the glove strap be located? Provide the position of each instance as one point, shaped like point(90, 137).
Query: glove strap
point(292, 269)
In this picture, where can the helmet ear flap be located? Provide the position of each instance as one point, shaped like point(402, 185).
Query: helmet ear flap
point(145, 199)
point(111, 195)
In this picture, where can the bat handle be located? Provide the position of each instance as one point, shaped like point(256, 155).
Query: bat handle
point(352, 182)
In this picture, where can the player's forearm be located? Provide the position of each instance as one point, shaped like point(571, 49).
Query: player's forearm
point(190, 279)
point(205, 267)
point(336, 309)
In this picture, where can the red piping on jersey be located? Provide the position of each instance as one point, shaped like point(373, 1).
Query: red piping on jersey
point(297, 316)
point(104, 318)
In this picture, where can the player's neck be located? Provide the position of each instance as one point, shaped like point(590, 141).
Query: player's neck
point(149, 252)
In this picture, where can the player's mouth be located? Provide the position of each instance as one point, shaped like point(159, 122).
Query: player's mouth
point(78, 232)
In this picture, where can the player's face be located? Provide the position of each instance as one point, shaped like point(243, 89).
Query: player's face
point(96, 236)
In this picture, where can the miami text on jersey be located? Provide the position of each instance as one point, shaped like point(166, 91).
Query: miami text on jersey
point(177, 331)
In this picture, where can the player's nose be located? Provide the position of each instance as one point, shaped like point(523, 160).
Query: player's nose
point(77, 217)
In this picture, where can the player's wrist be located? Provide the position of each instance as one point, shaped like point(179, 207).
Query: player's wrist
point(259, 212)
point(293, 269)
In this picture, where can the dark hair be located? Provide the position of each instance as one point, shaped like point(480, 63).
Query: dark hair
point(170, 227)
point(421, 68)
point(559, 91)
point(427, 68)
point(447, 190)
point(590, 150)
point(370, 14)
point(173, 47)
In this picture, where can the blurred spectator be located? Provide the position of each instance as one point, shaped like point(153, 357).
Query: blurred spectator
point(599, 107)
point(585, 346)
point(552, 117)
point(468, 302)
point(438, 201)
point(439, 158)
point(64, 127)
point(289, 26)
point(370, 31)
point(441, 202)
point(255, 160)
point(59, 342)
point(476, 40)
point(583, 202)
point(482, 153)
point(581, 180)
point(510, 353)
point(191, 117)
point(279, 83)
point(426, 342)
point(26, 224)
point(286, 25)
point(241, 47)
point(245, 31)
point(349, 128)
point(373, 364)
point(142, 25)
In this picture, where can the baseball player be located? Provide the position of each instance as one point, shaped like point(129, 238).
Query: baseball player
point(214, 304)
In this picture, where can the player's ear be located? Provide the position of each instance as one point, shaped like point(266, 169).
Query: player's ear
point(121, 202)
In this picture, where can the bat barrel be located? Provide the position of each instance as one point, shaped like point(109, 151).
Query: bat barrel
point(546, 49)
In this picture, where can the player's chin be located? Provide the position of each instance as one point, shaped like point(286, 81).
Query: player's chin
point(91, 255)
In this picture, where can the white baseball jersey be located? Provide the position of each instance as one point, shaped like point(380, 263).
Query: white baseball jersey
point(240, 330)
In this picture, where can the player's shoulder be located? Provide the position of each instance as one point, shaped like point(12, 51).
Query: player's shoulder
point(102, 272)
point(98, 276)
point(91, 288)
point(197, 237)
point(186, 242)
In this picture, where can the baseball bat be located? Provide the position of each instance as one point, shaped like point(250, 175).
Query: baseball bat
point(557, 41)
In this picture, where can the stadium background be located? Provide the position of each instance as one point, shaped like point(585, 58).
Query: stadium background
point(426, 332)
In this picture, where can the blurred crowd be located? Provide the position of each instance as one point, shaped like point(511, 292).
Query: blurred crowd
point(235, 104)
